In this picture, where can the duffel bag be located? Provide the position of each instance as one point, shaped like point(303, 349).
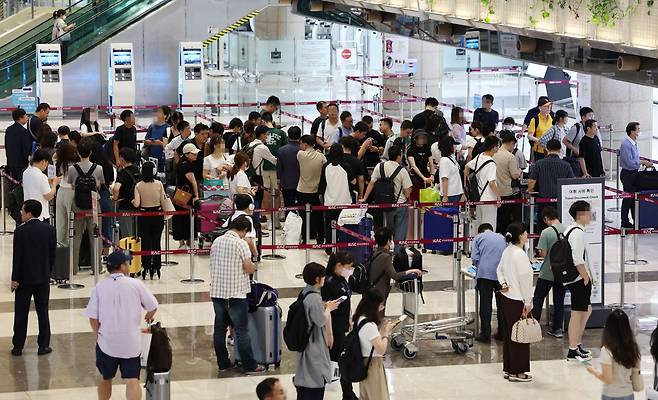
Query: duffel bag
point(646, 180)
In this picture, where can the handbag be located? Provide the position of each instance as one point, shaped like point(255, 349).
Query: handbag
point(526, 330)
point(182, 197)
point(636, 380)
point(167, 206)
point(429, 195)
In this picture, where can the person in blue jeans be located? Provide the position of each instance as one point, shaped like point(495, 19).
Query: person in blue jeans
point(157, 136)
point(546, 282)
point(230, 266)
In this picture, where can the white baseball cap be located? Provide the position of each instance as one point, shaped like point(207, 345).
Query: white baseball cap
point(190, 148)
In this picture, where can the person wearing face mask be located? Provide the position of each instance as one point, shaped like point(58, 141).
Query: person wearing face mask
point(381, 267)
point(629, 161)
point(339, 270)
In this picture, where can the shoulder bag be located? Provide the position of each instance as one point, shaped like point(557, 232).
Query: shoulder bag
point(526, 330)
point(182, 197)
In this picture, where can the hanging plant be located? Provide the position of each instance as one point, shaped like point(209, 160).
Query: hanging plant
point(488, 4)
point(608, 12)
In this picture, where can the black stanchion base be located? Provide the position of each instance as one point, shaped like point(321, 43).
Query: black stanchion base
point(6, 233)
point(299, 276)
point(614, 209)
point(169, 263)
point(273, 257)
point(71, 286)
point(636, 262)
point(192, 281)
point(449, 289)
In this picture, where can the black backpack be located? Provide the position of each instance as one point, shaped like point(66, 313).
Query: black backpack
point(249, 151)
point(350, 363)
point(160, 354)
point(134, 178)
point(360, 279)
point(401, 264)
point(85, 183)
point(477, 149)
point(562, 265)
point(472, 187)
point(297, 332)
point(384, 191)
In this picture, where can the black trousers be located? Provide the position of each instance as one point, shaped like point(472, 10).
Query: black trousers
point(24, 294)
point(334, 353)
point(304, 393)
point(150, 231)
point(289, 197)
point(317, 228)
point(516, 356)
point(541, 291)
point(487, 289)
point(508, 213)
point(628, 181)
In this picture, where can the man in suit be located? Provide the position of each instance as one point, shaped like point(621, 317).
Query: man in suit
point(18, 144)
point(34, 255)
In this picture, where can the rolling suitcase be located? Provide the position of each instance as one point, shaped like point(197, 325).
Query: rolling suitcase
point(211, 211)
point(649, 211)
point(157, 386)
point(361, 254)
point(132, 243)
point(439, 227)
point(60, 272)
point(265, 334)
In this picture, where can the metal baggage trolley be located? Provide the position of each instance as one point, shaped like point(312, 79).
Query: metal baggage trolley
point(410, 334)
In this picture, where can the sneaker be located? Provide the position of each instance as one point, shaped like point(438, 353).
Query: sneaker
point(522, 378)
point(258, 370)
point(556, 333)
point(583, 352)
point(505, 375)
point(230, 367)
point(574, 355)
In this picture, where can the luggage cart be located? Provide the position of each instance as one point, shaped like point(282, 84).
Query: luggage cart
point(410, 334)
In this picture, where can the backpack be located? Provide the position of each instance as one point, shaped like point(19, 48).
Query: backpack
point(297, 332)
point(401, 263)
point(261, 295)
point(562, 263)
point(472, 187)
point(85, 183)
point(108, 149)
point(134, 178)
point(443, 129)
point(477, 149)
point(384, 190)
point(160, 354)
point(350, 363)
point(569, 152)
point(249, 151)
point(360, 279)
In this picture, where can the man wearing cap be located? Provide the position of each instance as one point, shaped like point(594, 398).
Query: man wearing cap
point(538, 126)
point(115, 314)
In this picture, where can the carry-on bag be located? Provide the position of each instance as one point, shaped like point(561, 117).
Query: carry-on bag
point(132, 244)
point(158, 386)
point(213, 212)
point(647, 180)
point(60, 272)
point(439, 227)
point(365, 227)
point(649, 211)
point(265, 333)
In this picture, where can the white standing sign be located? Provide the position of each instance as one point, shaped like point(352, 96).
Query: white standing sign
point(592, 191)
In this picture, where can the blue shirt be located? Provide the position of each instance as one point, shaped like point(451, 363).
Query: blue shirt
point(488, 247)
point(157, 132)
point(629, 156)
point(287, 165)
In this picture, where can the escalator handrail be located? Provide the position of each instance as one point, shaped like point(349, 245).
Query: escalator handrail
point(28, 38)
point(91, 20)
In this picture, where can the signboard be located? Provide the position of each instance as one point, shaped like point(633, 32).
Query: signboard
point(24, 98)
point(346, 56)
point(411, 66)
point(508, 45)
point(313, 56)
point(396, 54)
point(460, 54)
point(590, 190)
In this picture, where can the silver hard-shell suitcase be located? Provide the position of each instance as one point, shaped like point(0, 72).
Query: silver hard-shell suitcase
point(265, 334)
point(157, 387)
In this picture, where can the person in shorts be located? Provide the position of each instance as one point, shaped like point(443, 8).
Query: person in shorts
point(118, 330)
point(581, 288)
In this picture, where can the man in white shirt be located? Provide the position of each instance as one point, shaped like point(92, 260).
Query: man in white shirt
point(485, 169)
point(396, 218)
point(576, 132)
point(581, 288)
point(171, 148)
point(115, 313)
point(328, 127)
point(35, 183)
point(259, 153)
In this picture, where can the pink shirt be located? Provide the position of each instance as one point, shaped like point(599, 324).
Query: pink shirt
point(117, 303)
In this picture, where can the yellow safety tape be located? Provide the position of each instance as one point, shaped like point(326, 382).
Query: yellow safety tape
point(231, 28)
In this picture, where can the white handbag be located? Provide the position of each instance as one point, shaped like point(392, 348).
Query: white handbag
point(526, 330)
point(293, 228)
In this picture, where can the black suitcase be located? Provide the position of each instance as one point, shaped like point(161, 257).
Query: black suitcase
point(646, 180)
point(60, 272)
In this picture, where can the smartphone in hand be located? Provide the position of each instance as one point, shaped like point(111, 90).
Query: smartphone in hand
point(341, 299)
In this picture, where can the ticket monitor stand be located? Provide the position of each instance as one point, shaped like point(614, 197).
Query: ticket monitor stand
point(121, 78)
point(191, 77)
point(49, 82)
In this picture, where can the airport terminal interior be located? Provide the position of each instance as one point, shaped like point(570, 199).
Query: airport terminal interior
point(217, 60)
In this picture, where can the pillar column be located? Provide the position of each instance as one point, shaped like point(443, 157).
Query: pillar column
point(279, 23)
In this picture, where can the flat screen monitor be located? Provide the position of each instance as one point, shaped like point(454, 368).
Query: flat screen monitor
point(192, 56)
point(122, 57)
point(49, 58)
point(472, 42)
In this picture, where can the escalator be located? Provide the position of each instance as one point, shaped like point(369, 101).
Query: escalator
point(95, 20)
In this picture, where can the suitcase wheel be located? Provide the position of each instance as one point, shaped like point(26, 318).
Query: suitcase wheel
point(424, 250)
point(277, 364)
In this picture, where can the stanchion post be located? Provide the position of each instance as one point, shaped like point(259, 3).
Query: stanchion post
point(166, 256)
point(274, 220)
point(616, 208)
point(635, 260)
point(96, 253)
point(416, 222)
point(518, 89)
point(468, 81)
point(70, 285)
point(610, 138)
point(455, 250)
point(531, 244)
point(334, 236)
point(192, 279)
point(307, 233)
point(3, 188)
point(622, 259)
point(467, 228)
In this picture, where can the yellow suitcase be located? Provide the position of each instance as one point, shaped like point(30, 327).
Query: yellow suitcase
point(133, 244)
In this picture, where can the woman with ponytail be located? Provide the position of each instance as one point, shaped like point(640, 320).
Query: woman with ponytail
point(339, 269)
point(515, 277)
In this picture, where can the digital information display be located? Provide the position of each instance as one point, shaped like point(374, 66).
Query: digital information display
point(122, 57)
point(49, 58)
point(192, 56)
